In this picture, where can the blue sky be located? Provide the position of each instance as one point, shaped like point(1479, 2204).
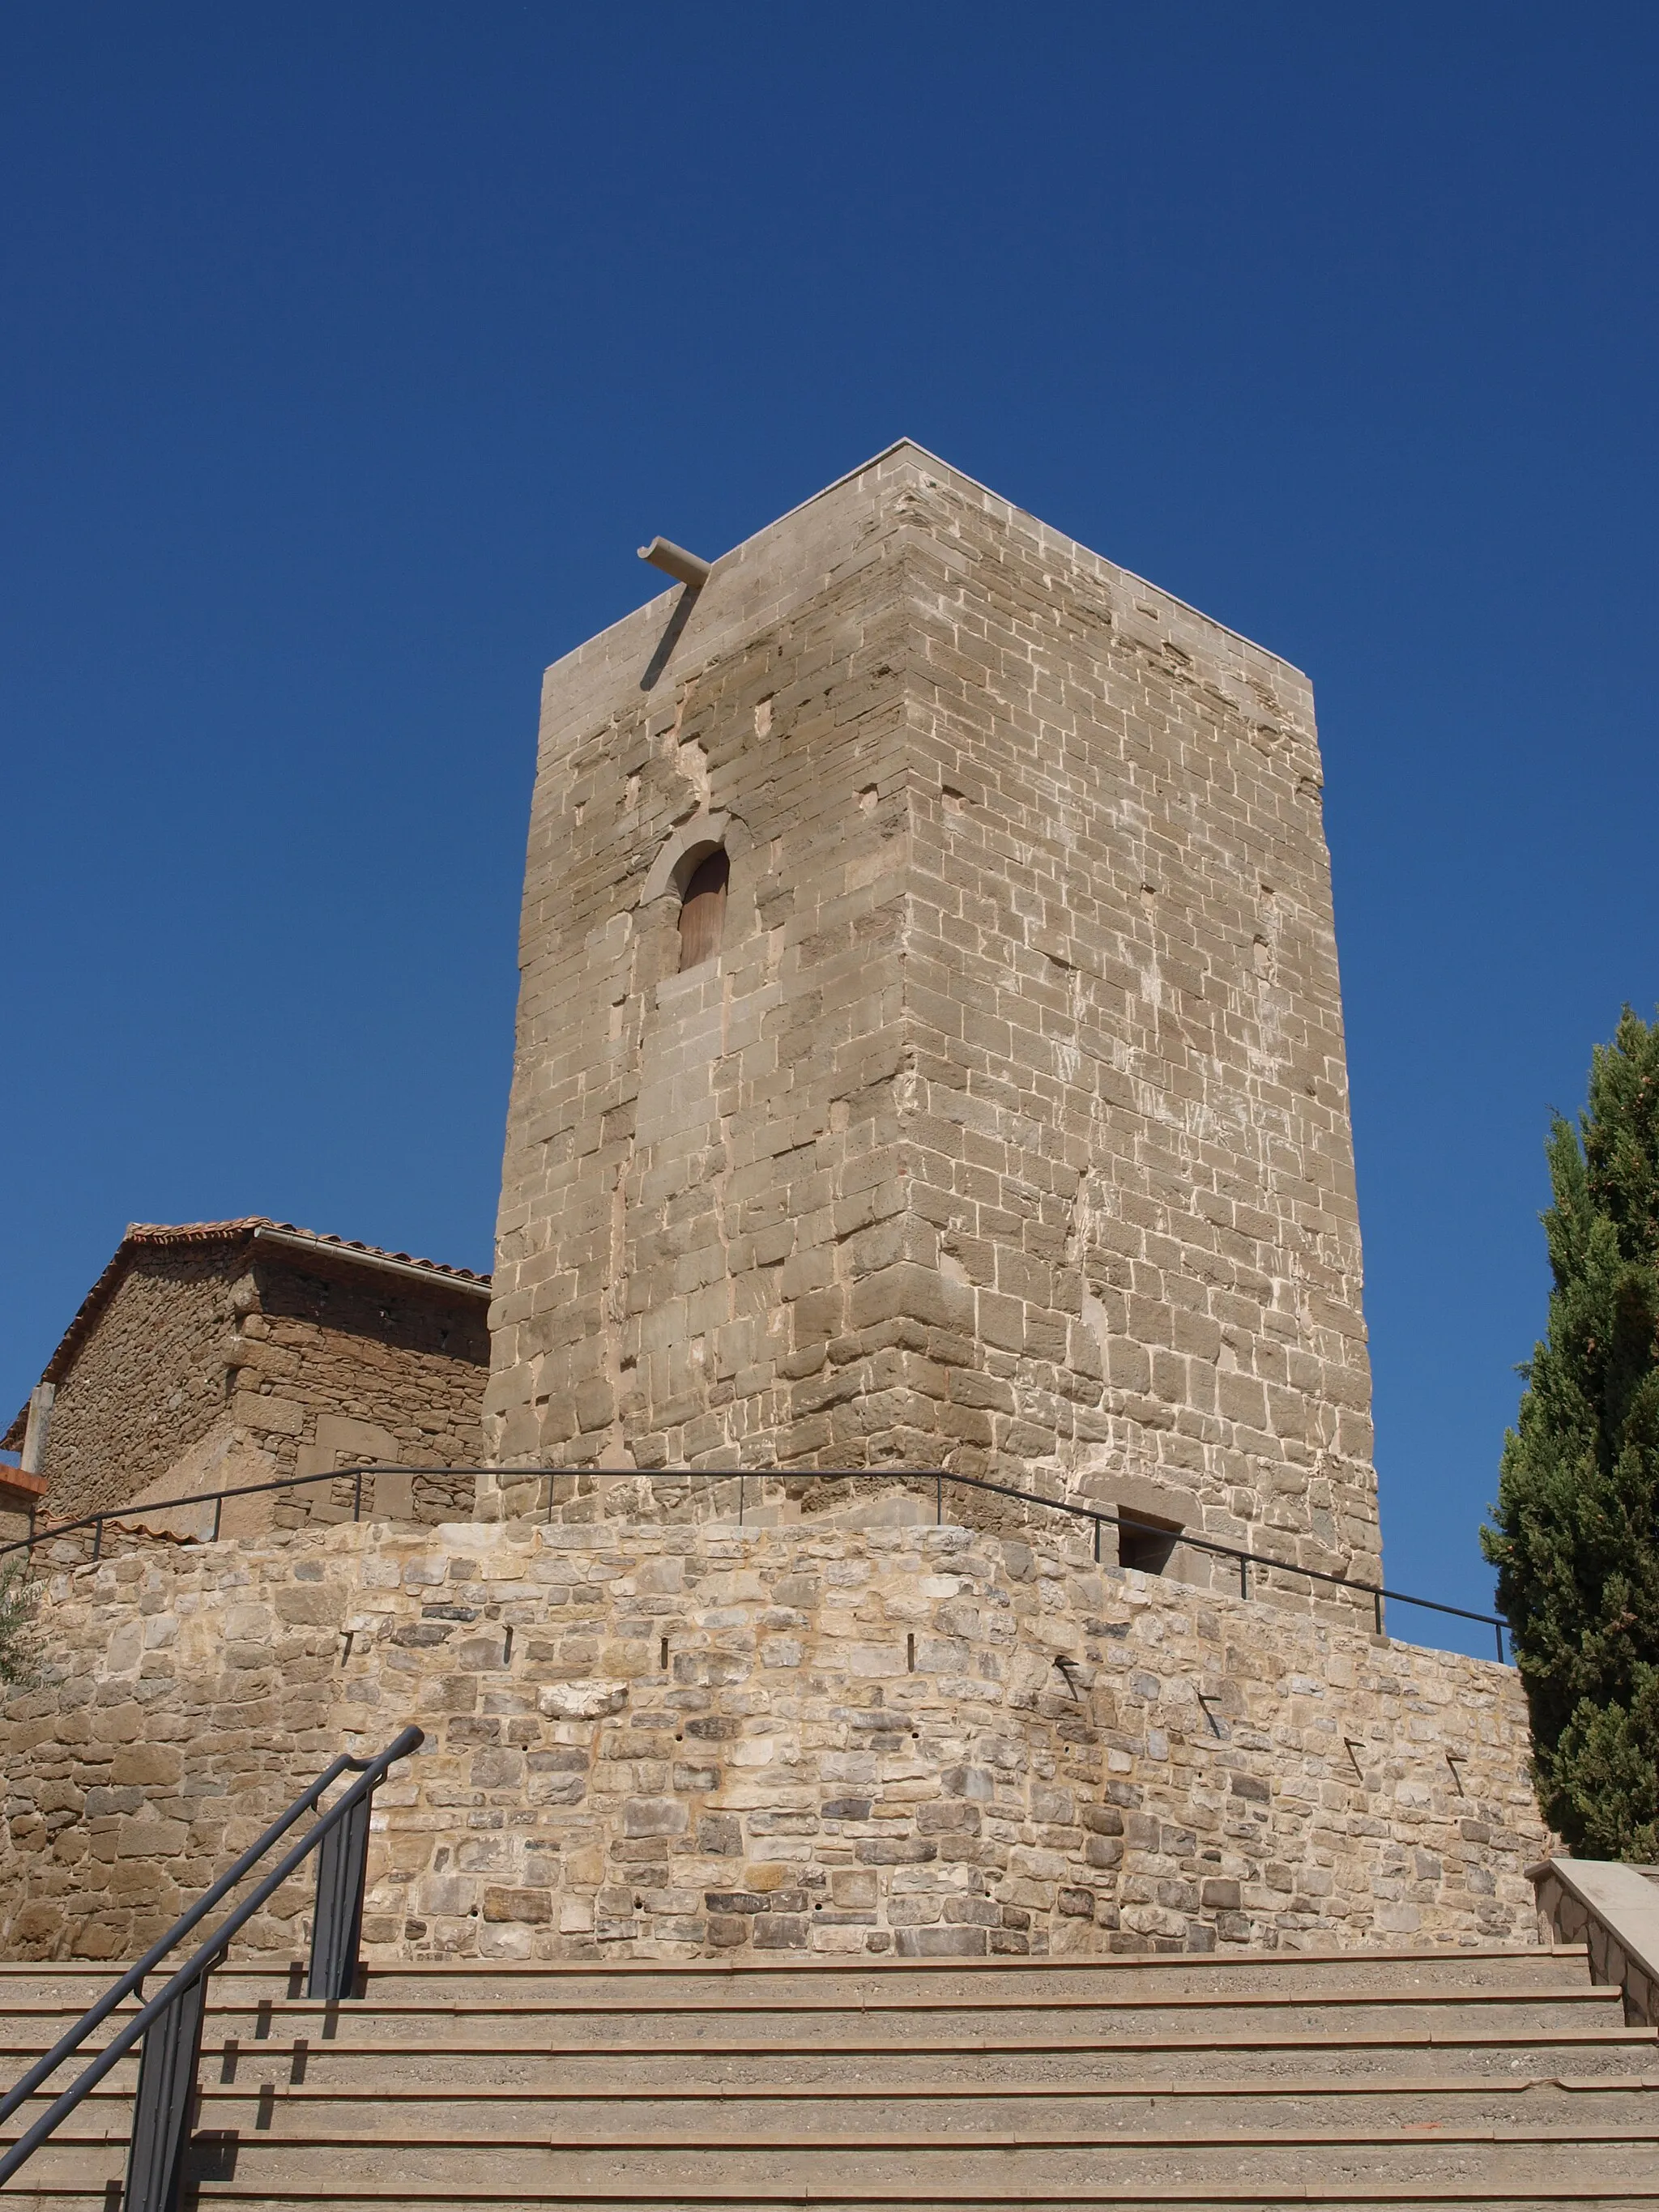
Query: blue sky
point(350, 351)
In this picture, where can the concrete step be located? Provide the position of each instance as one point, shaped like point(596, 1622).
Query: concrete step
point(902, 1982)
point(299, 2083)
point(670, 2041)
point(1514, 2189)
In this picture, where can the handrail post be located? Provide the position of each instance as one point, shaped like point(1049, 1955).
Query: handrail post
point(337, 1924)
point(939, 1500)
point(169, 2025)
point(165, 2108)
point(95, 1521)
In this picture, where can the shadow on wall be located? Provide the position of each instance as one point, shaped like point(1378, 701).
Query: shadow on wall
point(670, 636)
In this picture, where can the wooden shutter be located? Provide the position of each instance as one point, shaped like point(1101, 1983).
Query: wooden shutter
point(702, 912)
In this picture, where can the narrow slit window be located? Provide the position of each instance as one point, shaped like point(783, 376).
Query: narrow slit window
point(702, 912)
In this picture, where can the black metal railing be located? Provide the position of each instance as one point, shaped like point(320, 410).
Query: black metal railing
point(170, 2024)
point(1102, 1516)
point(135, 1511)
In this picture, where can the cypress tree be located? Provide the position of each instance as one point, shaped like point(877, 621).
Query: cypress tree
point(1577, 1536)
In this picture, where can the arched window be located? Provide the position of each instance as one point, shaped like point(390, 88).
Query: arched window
point(702, 911)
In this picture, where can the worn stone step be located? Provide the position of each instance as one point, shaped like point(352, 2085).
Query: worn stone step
point(502, 1996)
point(868, 2061)
point(1335, 2010)
point(1314, 2163)
point(737, 2117)
point(1513, 2190)
point(897, 1982)
point(373, 2112)
point(1627, 2056)
point(688, 2026)
point(966, 1982)
point(481, 2043)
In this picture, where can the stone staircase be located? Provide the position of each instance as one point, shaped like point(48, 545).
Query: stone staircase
point(1473, 2077)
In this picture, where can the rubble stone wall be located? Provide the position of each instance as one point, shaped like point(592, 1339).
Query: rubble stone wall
point(209, 1368)
point(646, 1740)
point(334, 1370)
point(149, 1381)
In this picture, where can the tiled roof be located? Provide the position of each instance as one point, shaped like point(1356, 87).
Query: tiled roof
point(250, 1227)
point(217, 1232)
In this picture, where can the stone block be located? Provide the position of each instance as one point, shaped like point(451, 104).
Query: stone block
point(151, 1839)
point(943, 1943)
point(313, 1605)
point(655, 1816)
point(534, 1907)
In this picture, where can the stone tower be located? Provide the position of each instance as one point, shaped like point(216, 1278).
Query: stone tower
point(1003, 1123)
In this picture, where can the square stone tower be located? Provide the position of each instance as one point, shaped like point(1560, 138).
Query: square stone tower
point(930, 1043)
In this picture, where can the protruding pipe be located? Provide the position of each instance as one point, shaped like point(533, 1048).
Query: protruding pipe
point(674, 561)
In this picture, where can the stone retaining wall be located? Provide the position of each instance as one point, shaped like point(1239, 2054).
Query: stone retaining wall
point(649, 1740)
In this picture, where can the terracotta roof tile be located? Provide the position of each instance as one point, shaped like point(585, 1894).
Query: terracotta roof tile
point(215, 1232)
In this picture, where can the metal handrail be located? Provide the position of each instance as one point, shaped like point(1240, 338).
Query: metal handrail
point(1101, 1517)
point(208, 1956)
point(134, 1978)
point(134, 1510)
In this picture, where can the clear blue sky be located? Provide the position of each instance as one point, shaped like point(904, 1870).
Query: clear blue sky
point(350, 352)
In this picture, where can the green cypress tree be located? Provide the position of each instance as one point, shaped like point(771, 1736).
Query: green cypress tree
point(1576, 1537)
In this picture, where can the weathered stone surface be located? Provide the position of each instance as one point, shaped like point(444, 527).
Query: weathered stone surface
point(1005, 1132)
point(1614, 1910)
point(1057, 1758)
point(217, 1360)
point(1008, 1130)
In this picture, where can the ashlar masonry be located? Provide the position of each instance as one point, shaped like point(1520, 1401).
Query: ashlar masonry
point(1006, 1128)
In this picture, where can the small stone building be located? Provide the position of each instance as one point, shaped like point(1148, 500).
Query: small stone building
point(223, 1354)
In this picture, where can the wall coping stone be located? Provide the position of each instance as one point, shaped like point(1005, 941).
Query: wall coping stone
point(1622, 1905)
